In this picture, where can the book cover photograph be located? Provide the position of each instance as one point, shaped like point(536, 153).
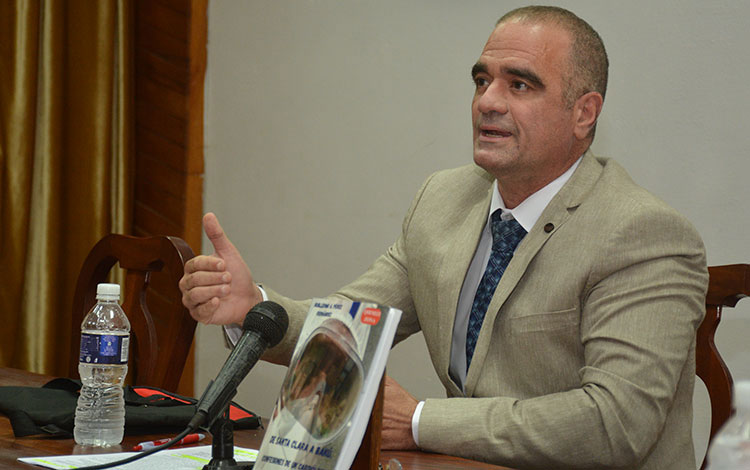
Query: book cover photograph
point(330, 387)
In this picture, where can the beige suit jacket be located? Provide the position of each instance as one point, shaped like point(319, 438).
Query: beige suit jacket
point(586, 355)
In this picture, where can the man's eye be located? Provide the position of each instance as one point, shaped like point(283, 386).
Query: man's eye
point(518, 85)
point(481, 82)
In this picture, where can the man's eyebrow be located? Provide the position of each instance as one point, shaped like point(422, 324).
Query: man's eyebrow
point(478, 68)
point(526, 75)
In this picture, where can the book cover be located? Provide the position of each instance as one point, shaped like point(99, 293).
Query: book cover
point(327, 395)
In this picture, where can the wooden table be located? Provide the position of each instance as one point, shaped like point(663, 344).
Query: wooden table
point(11, 448)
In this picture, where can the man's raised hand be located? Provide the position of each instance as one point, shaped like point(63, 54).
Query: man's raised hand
point(218, 288)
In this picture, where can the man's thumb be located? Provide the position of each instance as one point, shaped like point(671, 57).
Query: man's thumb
point(222, 245)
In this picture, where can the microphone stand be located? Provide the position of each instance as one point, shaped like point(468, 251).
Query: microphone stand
point(222, 447)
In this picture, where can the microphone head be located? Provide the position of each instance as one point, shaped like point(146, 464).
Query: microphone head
point(269, 319)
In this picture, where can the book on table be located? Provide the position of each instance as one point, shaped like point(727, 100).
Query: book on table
point(328, 392)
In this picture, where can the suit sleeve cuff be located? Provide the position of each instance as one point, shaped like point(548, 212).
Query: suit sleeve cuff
point(233, 331)
point(415, 422)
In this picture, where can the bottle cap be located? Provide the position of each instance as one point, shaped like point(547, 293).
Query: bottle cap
point(108, 291)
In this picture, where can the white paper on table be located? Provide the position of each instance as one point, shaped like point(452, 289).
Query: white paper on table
point(187, 458)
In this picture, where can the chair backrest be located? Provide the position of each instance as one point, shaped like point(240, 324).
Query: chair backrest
point(160, 335)
point(726, 286)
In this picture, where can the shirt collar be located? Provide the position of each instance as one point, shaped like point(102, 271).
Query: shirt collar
point(529, 211)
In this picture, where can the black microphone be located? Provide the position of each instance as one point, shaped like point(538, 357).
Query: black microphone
point(264, 326)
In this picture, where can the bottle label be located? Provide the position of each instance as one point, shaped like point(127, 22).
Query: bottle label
point(104, 349)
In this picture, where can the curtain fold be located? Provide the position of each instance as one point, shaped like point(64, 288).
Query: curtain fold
point(66, 160)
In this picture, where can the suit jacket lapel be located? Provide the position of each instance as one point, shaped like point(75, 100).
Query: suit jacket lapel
point(558, 211)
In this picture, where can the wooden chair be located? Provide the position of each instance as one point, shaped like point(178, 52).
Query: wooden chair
point(726, 286)
point(161, 335)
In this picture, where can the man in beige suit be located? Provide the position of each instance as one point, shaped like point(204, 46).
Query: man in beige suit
point(585, 356)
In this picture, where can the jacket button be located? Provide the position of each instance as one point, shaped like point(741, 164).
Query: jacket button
point(549, 227)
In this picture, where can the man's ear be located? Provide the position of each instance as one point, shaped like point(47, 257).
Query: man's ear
point(587, 109)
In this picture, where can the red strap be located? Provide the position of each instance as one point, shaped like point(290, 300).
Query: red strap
point(238, 413)
point(147, 392)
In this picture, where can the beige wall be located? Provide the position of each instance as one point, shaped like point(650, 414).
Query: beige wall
point(323, 117)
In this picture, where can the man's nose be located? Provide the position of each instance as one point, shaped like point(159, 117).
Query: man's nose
point(493, 99)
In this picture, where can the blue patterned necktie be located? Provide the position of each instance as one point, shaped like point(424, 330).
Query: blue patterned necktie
point(506, 234)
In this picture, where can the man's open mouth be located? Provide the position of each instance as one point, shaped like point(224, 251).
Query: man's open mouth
point(495, 133)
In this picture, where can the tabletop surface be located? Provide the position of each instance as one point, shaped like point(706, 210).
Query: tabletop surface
point(11, 448)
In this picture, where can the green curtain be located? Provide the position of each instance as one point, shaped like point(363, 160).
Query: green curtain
point(65, 163)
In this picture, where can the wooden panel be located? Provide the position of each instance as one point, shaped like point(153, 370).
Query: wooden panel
point(198, 55)
point(151, 143)
point(163, 17)
point(194, 210)
point(170, 64)
point(149, 115)
point(161, 96)
point(172, 73)
point(170, 206)
point(150, 222)
point(159, 42)
point(181, 6)
point(156, 172)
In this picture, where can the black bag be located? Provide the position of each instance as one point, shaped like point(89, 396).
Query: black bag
point(49, 410)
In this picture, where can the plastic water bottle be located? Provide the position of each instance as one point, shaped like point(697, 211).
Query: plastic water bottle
point(103, 363)
point(730, 448)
